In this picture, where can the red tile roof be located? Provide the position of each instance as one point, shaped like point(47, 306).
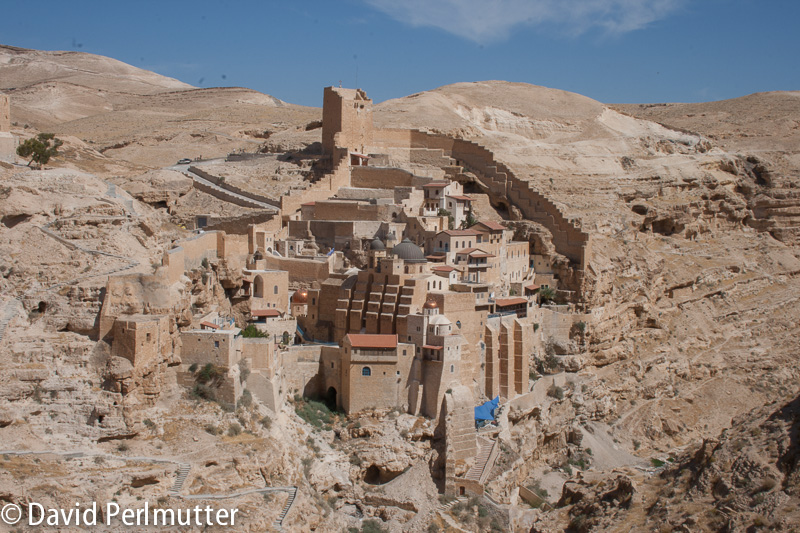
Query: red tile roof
point(444, 268)
point(533, 287)
point(505, 302)
point(462, 198)
point(460, 232)
point(431, 347)
point(211, 325)
point(362, 340)
point(474, 252)
point(265, 312)
point(494, 226)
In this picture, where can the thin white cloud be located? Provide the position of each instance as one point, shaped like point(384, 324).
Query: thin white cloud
point(484, 21)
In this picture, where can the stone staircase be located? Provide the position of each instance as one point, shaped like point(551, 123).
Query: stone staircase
point(445, 506)
point(278, 524)
point(183, 473)
point(480, 469)
point(568, 237)
point(228, 193)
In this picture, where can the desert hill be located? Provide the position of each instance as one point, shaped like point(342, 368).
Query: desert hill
point(767, 124)
point(693, 280)
point(143, 118)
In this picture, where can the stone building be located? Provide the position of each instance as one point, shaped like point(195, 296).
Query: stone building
point(346, 120)
point(375, 370)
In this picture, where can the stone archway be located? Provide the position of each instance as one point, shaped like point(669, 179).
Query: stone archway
point(330, 398)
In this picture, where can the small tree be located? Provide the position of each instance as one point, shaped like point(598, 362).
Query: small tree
point(546, 295)
point(39, 148)
point(451, 220)
point(469, 221)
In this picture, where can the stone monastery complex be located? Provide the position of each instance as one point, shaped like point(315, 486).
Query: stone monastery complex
point(376, 287)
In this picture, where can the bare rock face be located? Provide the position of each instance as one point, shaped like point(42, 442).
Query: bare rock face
point(159, 186)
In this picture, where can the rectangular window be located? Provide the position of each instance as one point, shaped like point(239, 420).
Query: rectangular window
point(216, 344)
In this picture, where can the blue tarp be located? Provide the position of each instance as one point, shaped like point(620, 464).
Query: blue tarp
point(486, 411)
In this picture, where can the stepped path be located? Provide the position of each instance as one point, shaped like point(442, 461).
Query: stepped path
point(182, 474)
point(12, 308)
point(239, 198)
point(480, 469)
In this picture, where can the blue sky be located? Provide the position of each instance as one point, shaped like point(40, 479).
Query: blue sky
point(630, 51)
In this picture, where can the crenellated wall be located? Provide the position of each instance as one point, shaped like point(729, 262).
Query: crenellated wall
point(501, 182)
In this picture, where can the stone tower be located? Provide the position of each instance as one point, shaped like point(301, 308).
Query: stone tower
point(346, 120)
point(8, 144)
point(5, 114)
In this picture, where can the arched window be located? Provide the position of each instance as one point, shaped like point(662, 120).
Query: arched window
point(366, 371)
point(258, 289)
point(452, 368)
point(275, 290)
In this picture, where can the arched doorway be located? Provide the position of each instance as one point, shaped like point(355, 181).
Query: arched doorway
point(330, 398)
point(258, 287)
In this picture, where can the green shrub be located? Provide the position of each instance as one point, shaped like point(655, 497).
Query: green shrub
point(234, 429)
point(266, 422)
point(556, 392)
point(547, 295)
point(372, 526)
point(202, 391)
point(252, 332)
point(208, 373)
point(193, 368)
point(244, 370)
point(246, 400)
point(313, 412)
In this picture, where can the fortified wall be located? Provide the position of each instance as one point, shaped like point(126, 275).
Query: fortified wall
point(500, 181)
point(348, 134)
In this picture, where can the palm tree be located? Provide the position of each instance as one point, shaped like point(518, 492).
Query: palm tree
point(547, 295)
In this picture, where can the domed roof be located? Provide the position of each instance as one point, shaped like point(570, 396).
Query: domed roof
point(300, 297)
point(409, 252)
point(430, 304)
point(377, 245)
point(439, 320)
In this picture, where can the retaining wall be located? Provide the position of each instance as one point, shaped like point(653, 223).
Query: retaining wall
point(568, 238)
point(231, 188)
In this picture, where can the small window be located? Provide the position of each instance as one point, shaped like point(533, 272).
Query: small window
point(366, 371)
point(452, 368)
point(148, 337)
point(275, 290)
point(216, 344)
point(398, 372)
point(331, 365)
